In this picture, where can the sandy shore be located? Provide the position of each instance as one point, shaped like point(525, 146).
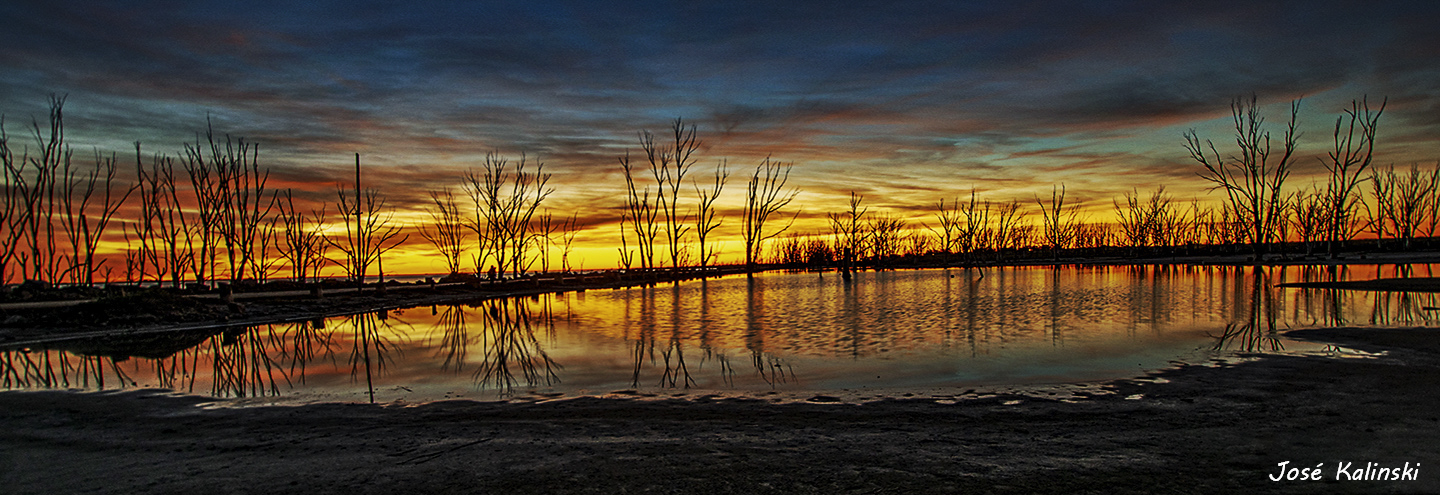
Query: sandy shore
point(1198, 429)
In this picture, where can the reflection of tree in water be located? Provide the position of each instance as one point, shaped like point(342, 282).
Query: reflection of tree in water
point(772, 369)
point(252, 361)
point(309, 341)
point(49, 368)
point(1256, 330)
point(663, 337)
point(1386, 308)
point(510, 346)
point(454, 339)
point(1402, 308)
point(371, 349)
point(243, 366)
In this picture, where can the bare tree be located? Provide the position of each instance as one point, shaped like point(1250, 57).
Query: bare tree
point(368, 233)
point(163, 230)
point(951, 226)
point(1380, 210)
point(1149, 223)
point(1408, 200)
point(447, 230)
point(669, 165)
point(304, 243)
point(12, 207)
point(544, 237)
point(45, 194)
point(90, 202)
point(1310, 217)
point(39, 196)
point(627, 256)
point(1059, 221)
point(1432, 211)
point(977, 224)
point(846, 228)
point(1349, 158)
point(232, 203)
point(570, 229)
point(642, 217)
point(206, 187)
point(764, 195)
point(1008, 231)
point(506, 199)
point(1252, 183)
point(884, 236)
point(1135, 220)
point(705, 221)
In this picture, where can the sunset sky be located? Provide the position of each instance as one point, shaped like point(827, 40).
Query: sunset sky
point(904, 103)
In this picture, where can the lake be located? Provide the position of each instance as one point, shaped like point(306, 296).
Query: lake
point(934, 332)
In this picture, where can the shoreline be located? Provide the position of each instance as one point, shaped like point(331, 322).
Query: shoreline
point(1193, 428)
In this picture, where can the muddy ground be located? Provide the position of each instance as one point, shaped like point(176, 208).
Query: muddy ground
point(1199, 430)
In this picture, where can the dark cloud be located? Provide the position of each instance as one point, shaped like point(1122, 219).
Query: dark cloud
point(858, 94)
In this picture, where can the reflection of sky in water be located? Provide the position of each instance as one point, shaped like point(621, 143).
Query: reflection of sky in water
point(795, 332)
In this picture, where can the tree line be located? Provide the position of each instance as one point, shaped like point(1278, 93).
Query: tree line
point(208, 214)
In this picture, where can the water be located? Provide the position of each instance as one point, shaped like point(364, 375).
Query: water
point(923, 330)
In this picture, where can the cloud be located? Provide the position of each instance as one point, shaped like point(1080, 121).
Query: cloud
point(910, 102)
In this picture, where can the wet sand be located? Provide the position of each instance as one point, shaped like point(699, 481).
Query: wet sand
point(1198, 429)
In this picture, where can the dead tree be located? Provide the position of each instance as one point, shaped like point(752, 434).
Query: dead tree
point(849, 239)
point(1008, 231)
point(1251, 181)
point(368, 233)
point(1059, 221)
point(884, 237)
point(163, 231)
point(1409, 197)
point(1350, 157)
point(505, 202)
point(1310, 217)
point(951, 227)
point(206, 187)
point(765, 195)
point(12, 211)
point(705, 221)
point(642, 217)
point(304, 245)
point(40, 258)
point(569, 229)
point(447, 229)
point(668, 165)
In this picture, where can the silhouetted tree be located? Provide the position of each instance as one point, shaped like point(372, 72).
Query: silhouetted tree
point(1251, 181)
point(368, 233)
point(668, 165)
point(706, 221)
point(764, 195)
point(849, 239)
point(447, 229)
point(304, 245)
point(506, 201)
point(1059, 221)
point(642, 219)
point(1350, 156)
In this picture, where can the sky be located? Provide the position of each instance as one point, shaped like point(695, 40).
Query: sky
point(905, 104)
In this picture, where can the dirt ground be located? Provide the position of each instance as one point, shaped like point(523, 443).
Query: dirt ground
point(1198, 429)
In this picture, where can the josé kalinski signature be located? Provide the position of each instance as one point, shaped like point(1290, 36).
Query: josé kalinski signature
point(1349, 471)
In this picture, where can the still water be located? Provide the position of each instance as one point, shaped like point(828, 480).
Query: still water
point(922, 330)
